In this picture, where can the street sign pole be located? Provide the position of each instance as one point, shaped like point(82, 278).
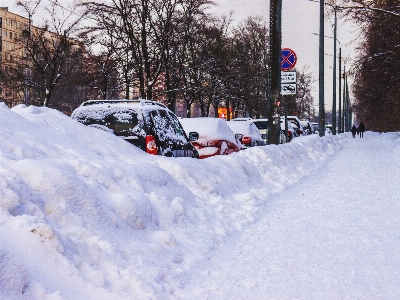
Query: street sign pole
point(288, 80)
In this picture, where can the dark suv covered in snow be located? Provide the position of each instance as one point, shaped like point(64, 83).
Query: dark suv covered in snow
point(148, 125)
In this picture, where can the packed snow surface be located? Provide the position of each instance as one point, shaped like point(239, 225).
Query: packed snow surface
point(86, 215)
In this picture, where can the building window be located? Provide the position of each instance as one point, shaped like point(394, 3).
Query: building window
point(10, 35)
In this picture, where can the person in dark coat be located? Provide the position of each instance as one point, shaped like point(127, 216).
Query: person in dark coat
point(361, 129)
point(354, 131)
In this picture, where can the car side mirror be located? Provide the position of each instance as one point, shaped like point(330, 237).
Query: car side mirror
point(193, 136)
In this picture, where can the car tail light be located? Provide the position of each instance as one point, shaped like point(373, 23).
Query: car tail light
point(246, 140)
point(151, 146)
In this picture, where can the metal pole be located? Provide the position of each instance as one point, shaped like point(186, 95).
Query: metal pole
point(321, 70)
point(340, 91)
point(334, 78)
point(348, 106)
point(274, 78)
point(26, 86)
point(286, 127)
point(344, 100)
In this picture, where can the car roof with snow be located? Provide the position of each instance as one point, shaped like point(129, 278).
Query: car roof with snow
point(99, 107)
point(245, 127)
point(209, 129)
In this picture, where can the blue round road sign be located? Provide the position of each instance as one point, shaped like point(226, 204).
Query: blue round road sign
point(288, 59)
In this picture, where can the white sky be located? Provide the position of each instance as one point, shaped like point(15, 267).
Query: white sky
point(300, 19)
point(86, 215)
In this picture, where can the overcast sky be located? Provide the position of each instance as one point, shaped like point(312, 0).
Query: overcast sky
point(300, 24)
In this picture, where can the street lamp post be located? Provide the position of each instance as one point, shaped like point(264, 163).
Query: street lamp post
point(334, 79)
point(340, 91)
point(321, 70)
point(344, 100)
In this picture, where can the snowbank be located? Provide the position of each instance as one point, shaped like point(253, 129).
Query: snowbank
point(86, 215)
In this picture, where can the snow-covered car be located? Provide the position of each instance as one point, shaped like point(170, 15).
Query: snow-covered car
point(291, 129)
point(306, 127)
point(215, 137)
point(242, 119)
point(328, 129)
point(315, 127)
point(262, 125)
point(148, 125)
point(296, 125)
point(247, 133)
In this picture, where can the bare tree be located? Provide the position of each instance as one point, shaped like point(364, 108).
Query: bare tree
point(304, 98)
point(249, 67)
point(376, 83)
point(52, 52)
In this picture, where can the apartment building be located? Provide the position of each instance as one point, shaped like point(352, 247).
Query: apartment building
point(13, 31)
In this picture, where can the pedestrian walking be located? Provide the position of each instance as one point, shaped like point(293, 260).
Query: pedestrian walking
point(361, 129)
point(354, 131)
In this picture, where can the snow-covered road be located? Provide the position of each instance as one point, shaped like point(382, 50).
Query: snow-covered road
point(334, 235)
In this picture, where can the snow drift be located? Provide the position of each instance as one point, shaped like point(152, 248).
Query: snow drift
point(86, 215)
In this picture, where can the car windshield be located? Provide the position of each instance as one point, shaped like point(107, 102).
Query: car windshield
point(167, 126)
point(261, 124)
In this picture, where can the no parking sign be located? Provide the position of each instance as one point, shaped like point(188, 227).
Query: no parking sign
point(288, 59)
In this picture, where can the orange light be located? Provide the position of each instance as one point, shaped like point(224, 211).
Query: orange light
point(223, 113)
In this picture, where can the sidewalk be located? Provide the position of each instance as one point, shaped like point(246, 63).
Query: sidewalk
point(335, 235)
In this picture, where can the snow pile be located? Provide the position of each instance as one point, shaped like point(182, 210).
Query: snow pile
point(86, 215)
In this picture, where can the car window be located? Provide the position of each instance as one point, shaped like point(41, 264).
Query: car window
point(167, 126)
point(121, 121)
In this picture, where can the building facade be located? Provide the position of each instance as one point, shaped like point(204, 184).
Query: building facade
point(13, 33)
